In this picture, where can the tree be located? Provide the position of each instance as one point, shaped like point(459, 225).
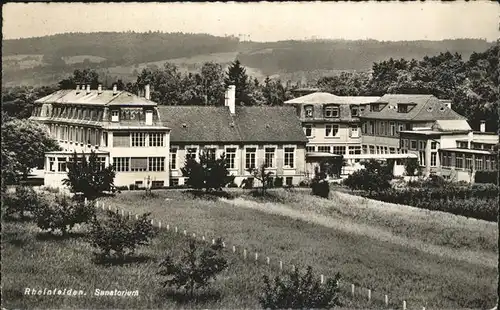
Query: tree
point(25, 199)
point(265, 177)
point(411, 165)
point(166, 83)
point(81, 77)
point(236, 75)
point(212, 77)
point(210, 173)
point(195, 269)
point(332, 167)
point(117, 237)
point(18, 102)
point(24, 144)
point(89, 177)
point(300, 291)
point(345, 84)
point(375, 177)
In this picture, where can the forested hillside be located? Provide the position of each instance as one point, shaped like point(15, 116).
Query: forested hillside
point(45, 60)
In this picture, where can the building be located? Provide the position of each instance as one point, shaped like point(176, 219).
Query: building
point(384, 119)
point(331, 123)
point(248, 136)
point(123, 129)
point(148, 145)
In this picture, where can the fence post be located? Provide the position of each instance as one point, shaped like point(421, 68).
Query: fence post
point(152, 221)
point(168, 226)
point(244, 253)
point(185, 232)
point(268, 261)
point(85, 201)
point(404, 304)
point(175, 229)
point(194, 235)
point(129, 215)
point(213, 241)
point(386, 299)
point(322, 277)
point(293, 268)
point(203, 238)
point(256, 256)
point(281, 265)
point(234, 249)
point(369, 295)
point(223, 244)
point(352, 289)
point(136, 216)
point(123, 213)
point(159, 225)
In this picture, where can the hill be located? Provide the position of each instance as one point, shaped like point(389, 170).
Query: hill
point(42, 60)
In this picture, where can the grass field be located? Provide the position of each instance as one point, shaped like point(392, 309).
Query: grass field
point(364, 241)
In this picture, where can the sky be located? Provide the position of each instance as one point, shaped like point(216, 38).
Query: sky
point(262, 21)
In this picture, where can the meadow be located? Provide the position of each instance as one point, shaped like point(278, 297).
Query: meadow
point(426, 258)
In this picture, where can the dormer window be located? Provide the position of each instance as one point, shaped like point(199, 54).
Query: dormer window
point(402, 108)
point(354, 111)
point(309, 110)
point(115, 115)
point(331, 111)
point(375, 107)
point(149, 117)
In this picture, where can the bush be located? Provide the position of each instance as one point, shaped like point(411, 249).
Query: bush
point(247, 183)
point(486, 177)
point(195, 269)
point(320, 186)
point(25, 199)
point(117, 237)
point(210, 173)
point(278, 182)
point(411, 166)
point(375, 177)
point(300, 292)
point(63, 214)
point(232, 185)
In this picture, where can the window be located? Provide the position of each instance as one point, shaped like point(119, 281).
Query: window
point(459, 161)
point(156, 139)
point(413, 145)
point(61, 164)
point(421, 158)
point(324, 149)
point(372, 127)
point(121, 164)
point(308, 130)
point(115, 115)
point(331, 111)
point(382, 128)
point(364, 128)
point(433, 145)
point(421, 145)
point(462, 145)
point(289, 181)
point(157, 184)
point(309, 111)
point(354, 111)
point(173, 158)
point(105, 138)
point(138, 139)
point(191, 153)
point(174, 182)
point(269, 157)
point(231, 157)
point(121, 139)
point(138, 164)
point(468, 162)
point(487, 163)
point(340, 150)
point(88, 136)
point(479, 162)
point(372, 149)
point(354, 150)
point(310, 148)
point(400, 127)
point(354, 131)
point(102, 162)
point(365, 148)
point(392, 150)
point(289, 157)
point(82, 135)
point(331, 130)
point(445, 162)
point(375, 107)
point(393, 128)
point(433, 159)
point(250, 154)
point(156, 163)
point(402, 108)
point(210, 153)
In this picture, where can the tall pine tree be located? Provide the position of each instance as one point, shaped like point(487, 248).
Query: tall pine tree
point(236, 75)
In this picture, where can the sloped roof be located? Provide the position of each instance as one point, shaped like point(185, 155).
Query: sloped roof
point(356, 99)
point(451, 125)
point(105, 97)
point(269, 124)
point(199, 124)
point(427, 108)
point(192, 124)
point(314, 98)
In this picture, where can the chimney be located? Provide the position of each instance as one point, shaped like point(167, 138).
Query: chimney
point(115, 89)
point(230, 99)
point(482, 126)
point(147, 93)
point(99, 89)
point(88, 89)
point(77, 88)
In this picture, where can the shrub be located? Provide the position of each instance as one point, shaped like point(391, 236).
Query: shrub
point(265, 177)
point(320, 186)
point(195, 269)
point(117, 237)
point(63, 214)
point(25, 199)
point(232, 185)
point(300, 292)
point(375, 177)
point(411, 166)
point(486, 177)
point(247, 183)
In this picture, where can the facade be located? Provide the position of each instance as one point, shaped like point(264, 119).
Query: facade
point(248, 136)
point(384, 119)
point(332, 125)
point(147, 145)
point(124, 130)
